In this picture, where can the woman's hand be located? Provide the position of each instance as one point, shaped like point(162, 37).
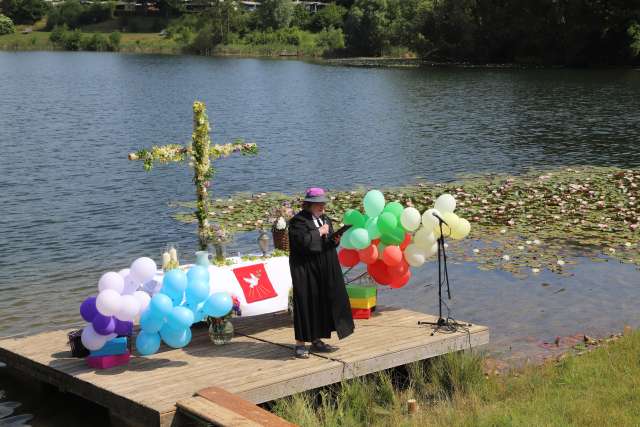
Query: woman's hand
point(324, 230)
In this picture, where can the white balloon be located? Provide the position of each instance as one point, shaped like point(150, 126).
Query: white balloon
point(445, 203)
point(91, 339)
point(413, 255)
point(143, 299)
point(144, 269)
point(108, 302)
point(428, 220)
point(129, 308)
point(424, 238)
point(410, 219)
point(131, 284)
point(461, 229)
point(450, 221)
point(430, 251)
point(111, 280)
point(124, 272)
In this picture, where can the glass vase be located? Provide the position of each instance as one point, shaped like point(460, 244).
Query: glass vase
point(220, 331)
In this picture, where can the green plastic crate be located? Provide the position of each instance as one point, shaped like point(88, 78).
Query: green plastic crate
point(360, 291)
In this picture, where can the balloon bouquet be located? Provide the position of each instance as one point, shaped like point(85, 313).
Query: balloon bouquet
point(390, 238)
point(167, 316)
point(183, 300)
point(118, 303)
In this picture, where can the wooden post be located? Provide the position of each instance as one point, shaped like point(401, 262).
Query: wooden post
point(412, 406)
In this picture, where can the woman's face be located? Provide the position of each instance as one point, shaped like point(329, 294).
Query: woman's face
point(317, 209)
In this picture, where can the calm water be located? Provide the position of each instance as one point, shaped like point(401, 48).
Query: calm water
point(72, 206)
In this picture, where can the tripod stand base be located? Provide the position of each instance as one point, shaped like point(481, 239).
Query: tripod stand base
point(440, 322)
point(445, 326)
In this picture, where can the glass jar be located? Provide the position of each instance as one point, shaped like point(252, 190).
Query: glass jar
point(220, 331)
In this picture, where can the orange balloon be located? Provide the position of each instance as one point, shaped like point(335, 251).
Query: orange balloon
point(348, 257)
point(400, 281)
point(379, 272)
point(392, 255)
point(406, 241)
point(369, 255)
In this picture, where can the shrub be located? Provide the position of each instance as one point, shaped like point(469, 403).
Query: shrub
point(331, 39)
point(6, 25)
point(97, 42)
point(74, 14)
point(24, 11)
point(114, 40)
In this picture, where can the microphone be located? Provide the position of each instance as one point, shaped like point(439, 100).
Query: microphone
point(441, 220)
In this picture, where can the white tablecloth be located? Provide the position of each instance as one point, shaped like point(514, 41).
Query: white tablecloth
point(265, 295)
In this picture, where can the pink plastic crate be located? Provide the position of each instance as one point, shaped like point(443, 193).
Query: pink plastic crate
point(106, 362)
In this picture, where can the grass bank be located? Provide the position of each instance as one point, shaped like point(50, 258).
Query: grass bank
point(597, 388)
point(130, 42)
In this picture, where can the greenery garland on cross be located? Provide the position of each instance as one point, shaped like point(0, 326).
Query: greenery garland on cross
point(201, 152)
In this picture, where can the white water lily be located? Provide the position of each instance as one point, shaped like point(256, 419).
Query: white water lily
point(536, 242)
point(628, 244)
point(506, 257)
point(475, 251)
point(561, 262)
point(503, 231)
point(521, 247)
point(535, 270)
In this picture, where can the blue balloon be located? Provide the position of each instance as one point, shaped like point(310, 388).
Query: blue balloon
point(160, 305)
point(174, 281)
point(150, 322)
point(180, 318)
point(197, 274)
point(197, 292)
point(147, 342)
point(175, 338)
point(175, 296)
point(218, 304)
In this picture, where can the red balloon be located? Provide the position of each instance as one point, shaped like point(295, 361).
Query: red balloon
point(400, 269)
point(348, 257)
point(405, 242)
point(392, 255)
point(375, 242)
point(400, 281)
point(369, 255)
point(379, 272)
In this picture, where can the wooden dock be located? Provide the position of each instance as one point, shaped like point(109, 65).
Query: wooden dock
point(257, 365)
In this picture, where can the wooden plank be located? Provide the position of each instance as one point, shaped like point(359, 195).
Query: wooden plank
point(243, 407)
point(214, 413)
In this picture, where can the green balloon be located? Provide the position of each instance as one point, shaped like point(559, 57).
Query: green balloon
point(372, 228)
point(395, 208)
point(381, 247)
point(345, 240)
point(387, 222)
point(394, 237)
point(360, 238)
point(373, 203)
point(354, 217)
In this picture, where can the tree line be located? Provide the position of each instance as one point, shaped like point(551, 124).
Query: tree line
point(549, 32)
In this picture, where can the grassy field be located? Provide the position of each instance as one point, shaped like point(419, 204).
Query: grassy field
point(131, 42)
point(598, 388)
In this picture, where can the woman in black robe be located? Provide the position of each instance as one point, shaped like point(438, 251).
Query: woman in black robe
point(320, 300)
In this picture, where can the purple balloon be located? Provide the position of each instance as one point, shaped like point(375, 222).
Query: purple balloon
point(88, 309)
point(104, 325)
point(123, 328)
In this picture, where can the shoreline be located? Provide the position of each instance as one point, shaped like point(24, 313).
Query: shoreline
point(153, 44)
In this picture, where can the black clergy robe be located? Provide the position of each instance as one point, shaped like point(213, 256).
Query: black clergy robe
point(320, 300)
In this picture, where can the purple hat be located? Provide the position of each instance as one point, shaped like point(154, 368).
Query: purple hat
point(315, 195)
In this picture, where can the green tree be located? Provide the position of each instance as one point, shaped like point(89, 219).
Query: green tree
point(6, 25)
point(366, 27)
point(301, 17)
point(24, 11)
point(275, 14)
point(331, 16)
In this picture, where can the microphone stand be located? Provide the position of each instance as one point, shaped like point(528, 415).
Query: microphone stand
point(443, 278)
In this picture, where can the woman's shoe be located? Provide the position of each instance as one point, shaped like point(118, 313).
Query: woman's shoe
point(322, 347)
point(301, 352)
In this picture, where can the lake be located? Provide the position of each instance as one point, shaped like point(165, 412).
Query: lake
point(73, 207)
